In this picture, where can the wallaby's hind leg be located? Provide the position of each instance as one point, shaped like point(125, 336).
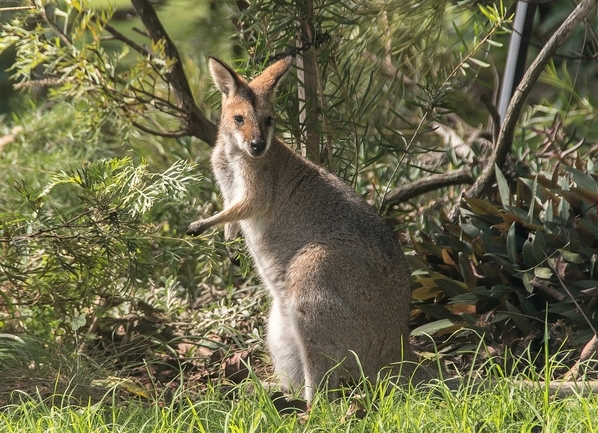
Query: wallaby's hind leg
point(339, 301)
point(317, 367)
point(321, 318)
point(285, 348)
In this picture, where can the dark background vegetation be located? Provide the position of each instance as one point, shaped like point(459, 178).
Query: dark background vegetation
point(105, 137)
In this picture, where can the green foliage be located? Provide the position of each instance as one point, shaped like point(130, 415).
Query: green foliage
point(502, 406)
point(507, 267)
point(386, 72)
point(66, 52)
point(87, 233)
point(96, 197)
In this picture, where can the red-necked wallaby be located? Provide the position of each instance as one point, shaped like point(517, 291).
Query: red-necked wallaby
point(338, 278)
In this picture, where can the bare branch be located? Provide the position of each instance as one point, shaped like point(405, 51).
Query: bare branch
point(64, 38)
point(494, 114)
point(588, 353)
point(167, 134)
point(198, 124)
point(507, 130)
point(130, 42)
point(427, 184)
point(547, 288)
point(564, 286)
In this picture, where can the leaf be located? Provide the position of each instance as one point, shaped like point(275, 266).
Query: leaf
point(482, 207)
point(532, 203)
point(540, 248)
point(512, 244)
point(529, 260)
point(501, 260)
point(125, 384)
point(479, 62)
point(425, 293)
point(78, 322)
point(527, 282)
point(503, 187)
point(519, 319)
point(589, 196)
point(467, 270)
point(451, 287)
point(571, 257)
point(582, 179)
point(446, 257)
point(435, 327)
point(542, 272)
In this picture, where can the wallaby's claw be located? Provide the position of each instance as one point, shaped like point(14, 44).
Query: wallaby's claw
point(195, 228)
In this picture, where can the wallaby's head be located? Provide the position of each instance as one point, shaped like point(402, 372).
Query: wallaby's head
point(247, 108)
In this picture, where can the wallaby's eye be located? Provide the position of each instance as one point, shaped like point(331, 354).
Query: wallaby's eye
point(238, 119)
point(269, 121)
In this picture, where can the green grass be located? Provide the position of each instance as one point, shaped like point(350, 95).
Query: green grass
point(502, 407)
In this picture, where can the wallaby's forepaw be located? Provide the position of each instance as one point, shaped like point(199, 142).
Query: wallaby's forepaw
point(196, 228)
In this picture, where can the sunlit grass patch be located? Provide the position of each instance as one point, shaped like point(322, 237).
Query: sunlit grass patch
point(500, 405)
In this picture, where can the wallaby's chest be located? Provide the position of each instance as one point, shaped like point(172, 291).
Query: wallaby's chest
point(230, 175)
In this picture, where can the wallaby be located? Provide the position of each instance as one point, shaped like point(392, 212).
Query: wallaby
point(338, 279)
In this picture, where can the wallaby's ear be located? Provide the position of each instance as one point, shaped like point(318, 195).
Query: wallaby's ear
point(267, 81)
point(225, 78)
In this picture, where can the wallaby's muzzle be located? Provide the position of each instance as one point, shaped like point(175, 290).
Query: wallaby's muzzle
point(257, 147)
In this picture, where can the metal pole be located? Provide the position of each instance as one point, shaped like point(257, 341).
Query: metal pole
point(517, 54)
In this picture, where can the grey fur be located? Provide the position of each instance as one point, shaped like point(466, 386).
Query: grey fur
point(337, 276)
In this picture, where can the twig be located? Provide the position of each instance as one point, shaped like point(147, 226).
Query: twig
point(547, 288)
point(556, 272)
point(130, 42)
point(42, 232)
point(588, 353)
point(167, 134)
point(198, 125)
point(16, 8)
point(64, 38)
point(507, 130)
point(141, 32)
point(427, 184)
point(484, 99)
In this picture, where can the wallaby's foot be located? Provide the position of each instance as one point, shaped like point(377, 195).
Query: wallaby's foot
point(196, 228)
point(286, 405)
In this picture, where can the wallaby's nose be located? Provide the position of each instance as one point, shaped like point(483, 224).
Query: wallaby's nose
point(257, 147)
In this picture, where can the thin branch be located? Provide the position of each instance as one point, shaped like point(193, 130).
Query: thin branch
point(484, 99)
point(64, 38)
point(44, 232)
point(167, 134)
point(141, 32)
point(427, 184)
point(198, 124)
point(588, 353)
point(564, 286)
point(507, 130)
point(547, 288)
point(16, 8)
point(128, 41)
